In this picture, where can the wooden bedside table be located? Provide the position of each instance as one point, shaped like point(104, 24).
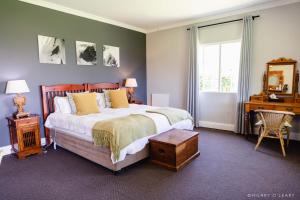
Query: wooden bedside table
point(136, 101)
point(25, 135)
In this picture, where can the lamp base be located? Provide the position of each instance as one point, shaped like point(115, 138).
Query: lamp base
point(20, 102)
point(131, 92)
point(18, 115)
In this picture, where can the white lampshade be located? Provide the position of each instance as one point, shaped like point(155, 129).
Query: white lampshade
point(131, 82)
point(16, 87)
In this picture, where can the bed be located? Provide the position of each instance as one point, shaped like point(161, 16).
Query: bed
point(73, 132)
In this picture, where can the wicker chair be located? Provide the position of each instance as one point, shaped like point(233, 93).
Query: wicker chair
point(274, 124)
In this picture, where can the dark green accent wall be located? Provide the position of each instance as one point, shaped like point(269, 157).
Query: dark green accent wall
point(21, 23)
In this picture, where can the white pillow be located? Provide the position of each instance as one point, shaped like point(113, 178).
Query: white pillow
point(71, 101)
point(100, 100)
point(107, 98)
point(62, 105)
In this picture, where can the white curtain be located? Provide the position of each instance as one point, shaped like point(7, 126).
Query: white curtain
point(244, 75)
point(193, 76)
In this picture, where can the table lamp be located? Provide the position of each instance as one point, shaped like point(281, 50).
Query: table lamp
point(131, 84)
point(18, 87)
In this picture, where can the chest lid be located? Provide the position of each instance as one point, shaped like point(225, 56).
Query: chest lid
point(174, 137)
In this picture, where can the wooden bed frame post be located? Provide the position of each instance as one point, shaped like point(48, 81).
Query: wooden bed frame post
point(45, 108)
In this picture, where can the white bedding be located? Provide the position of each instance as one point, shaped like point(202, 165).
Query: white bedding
point(81, 126)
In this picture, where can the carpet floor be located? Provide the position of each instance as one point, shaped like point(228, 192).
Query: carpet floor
point(228, 168)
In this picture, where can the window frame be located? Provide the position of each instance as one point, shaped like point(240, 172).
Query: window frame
point(220, 56)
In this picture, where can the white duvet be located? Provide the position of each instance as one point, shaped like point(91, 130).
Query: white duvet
point(81, 126)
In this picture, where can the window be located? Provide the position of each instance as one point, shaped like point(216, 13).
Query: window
point(219, 68)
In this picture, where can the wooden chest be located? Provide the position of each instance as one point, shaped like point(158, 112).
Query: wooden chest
point(174, 149)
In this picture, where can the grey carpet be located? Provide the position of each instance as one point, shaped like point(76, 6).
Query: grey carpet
point(228, 168)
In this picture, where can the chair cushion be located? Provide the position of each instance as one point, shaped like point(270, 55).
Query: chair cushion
point(259, 123)
point(287, 124)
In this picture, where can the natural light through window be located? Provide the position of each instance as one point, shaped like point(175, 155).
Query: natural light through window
point(219, 67)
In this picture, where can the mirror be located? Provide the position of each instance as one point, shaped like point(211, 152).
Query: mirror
point(281, 76)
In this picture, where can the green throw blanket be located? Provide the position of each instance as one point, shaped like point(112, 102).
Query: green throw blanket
point(174, 115)
point(118, 133)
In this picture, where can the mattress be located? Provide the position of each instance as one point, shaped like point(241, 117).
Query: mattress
point(81, 126)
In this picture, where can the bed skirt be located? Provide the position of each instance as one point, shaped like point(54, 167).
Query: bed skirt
point(99, 155)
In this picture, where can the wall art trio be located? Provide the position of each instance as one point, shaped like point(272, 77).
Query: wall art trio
point(52, 51)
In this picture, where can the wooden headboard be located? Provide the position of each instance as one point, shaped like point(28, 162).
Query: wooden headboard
point(49, 92)
point(99, 87)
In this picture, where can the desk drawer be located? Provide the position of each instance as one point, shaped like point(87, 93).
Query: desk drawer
point(288, 108)
point(261, 107)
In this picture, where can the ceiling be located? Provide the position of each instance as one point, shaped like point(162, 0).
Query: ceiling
point(150, 15)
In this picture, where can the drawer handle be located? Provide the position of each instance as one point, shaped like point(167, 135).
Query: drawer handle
point(289, 109)
point(260, 107)
point(161, 151)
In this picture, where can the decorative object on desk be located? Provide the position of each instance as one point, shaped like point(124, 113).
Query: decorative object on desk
point(273, 96)
point(18, 87)
point(285, 88)
point(131, 84)
point(86, 53)
point(51, 50)
point(111, 56)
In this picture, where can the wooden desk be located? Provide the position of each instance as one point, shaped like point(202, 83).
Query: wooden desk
point(265, 105)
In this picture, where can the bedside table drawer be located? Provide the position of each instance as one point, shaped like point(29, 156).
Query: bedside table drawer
point(28, 121)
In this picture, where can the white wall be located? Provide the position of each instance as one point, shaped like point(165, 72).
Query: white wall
point(217, 110)
point(166, 65)
point(276, 34)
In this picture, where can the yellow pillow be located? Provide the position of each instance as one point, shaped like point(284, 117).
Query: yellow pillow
point(86, 103)
point(118, 98)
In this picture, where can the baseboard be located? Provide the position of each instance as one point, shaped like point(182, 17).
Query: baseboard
point(6, 150)
point(216, 125)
